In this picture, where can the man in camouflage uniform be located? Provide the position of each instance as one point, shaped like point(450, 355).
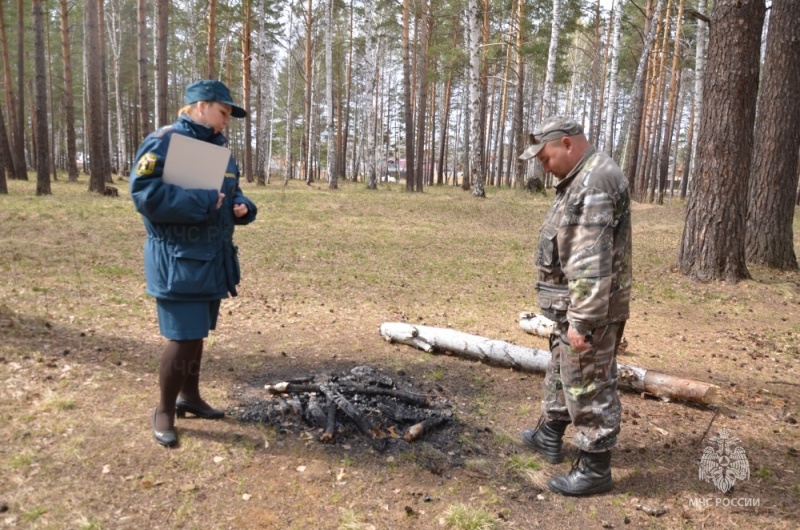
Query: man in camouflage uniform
point(584, 286)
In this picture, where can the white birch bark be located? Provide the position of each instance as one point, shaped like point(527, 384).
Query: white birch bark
point(613, 103)
point(476, 159)
point(332, 178)
point(699, 76)
point(265, 76)
point(466, 173)
point(498, 352)
point(547, 106)
point(371, 61)
point(536, 324)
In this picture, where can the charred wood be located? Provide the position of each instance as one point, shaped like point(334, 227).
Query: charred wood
point(419, 429)
point(362, 422)
point(315, 412)
point(330, 424)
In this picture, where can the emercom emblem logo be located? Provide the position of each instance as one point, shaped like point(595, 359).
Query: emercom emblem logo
point(726, 463)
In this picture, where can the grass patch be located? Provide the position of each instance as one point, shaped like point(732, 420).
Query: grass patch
point(33, 514)
point(465, 517)
point(20, 461)
point(523, 463)
point(352, 520)
point(763, 472)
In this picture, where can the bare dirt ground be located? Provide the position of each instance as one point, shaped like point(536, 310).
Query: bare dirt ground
point(79, 347)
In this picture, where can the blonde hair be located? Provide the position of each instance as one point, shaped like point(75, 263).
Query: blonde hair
point(187, 108)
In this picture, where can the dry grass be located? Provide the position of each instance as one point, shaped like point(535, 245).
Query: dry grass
point(322, 270)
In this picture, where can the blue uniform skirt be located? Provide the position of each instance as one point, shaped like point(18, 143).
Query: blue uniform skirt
point(187, 320)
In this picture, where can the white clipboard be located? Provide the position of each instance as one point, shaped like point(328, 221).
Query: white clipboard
point(195, 164)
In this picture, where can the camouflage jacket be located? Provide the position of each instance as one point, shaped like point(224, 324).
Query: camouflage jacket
point(584, 251)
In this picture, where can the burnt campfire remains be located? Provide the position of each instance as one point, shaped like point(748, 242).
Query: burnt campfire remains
point(363, 402)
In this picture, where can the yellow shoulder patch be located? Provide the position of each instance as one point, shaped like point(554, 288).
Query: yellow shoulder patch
point(146, 164)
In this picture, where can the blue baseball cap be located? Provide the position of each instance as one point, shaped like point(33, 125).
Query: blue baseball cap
point(212, 90)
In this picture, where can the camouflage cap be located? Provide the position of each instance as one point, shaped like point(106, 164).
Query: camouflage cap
point(552, 128)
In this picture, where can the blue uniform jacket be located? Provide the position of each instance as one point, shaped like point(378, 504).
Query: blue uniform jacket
point(189, 253)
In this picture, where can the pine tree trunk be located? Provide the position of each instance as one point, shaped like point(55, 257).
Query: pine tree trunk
point(422, 106)
point(5, 158)
point(21, 169)
point(775, 165)
point(68, 102)
point(699, 81)
point(94, 96)
point(162, 74)
point(593, 96)
point(408, 112)
point(445, 122)
point(40, 98)
point(674, 88)
point(211, 28)
point(105, 160)
point(501, 126)
point(247, 59)
point(632, 122)
point(519, 123)
point(712, 247)
point(9, 147)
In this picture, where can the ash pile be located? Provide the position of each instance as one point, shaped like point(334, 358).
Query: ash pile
point(364, 404)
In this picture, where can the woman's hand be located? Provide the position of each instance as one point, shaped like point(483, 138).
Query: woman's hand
point(240, 210)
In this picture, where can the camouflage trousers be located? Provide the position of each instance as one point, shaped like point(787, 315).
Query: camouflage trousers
point(582, 387)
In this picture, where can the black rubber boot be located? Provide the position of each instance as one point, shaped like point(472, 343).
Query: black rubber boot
point(590, 475)
point(547, 438)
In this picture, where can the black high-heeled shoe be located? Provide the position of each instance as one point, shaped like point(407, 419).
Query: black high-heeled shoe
point(165, 438)
point(182, 407)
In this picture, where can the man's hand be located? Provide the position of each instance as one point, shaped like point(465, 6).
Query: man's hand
point(578, 340)
point(240, 210)
point(220, 196)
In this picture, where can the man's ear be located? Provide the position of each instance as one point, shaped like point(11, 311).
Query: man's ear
point(567, 141)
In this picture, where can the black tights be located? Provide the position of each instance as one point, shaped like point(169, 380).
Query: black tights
point(178, 374)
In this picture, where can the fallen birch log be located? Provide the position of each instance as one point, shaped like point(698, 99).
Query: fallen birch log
point(536, 324)
point(502, 353)
point(541, 326)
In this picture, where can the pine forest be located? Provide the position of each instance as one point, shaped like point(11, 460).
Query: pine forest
point(695, 99)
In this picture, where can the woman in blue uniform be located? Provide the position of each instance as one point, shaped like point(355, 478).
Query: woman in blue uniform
point(189, 256)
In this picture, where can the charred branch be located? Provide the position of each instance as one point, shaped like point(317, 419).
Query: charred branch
point(362, 422)
point(419, 429)
point(330, 424)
